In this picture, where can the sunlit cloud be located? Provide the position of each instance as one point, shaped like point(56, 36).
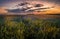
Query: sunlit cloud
point(29, 7)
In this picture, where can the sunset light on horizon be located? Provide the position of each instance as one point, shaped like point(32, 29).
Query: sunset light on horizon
point(47, 8)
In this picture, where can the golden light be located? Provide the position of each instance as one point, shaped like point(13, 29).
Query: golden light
point(2, 10)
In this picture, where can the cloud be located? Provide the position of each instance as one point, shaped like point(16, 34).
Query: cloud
point(21, 4)
point(17, 10)
point(39, 5)
point(25, 7)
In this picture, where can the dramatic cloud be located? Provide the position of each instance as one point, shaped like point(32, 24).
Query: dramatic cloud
point(23, 4)
point(26, 7)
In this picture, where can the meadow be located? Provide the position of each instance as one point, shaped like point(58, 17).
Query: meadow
point(29, 28)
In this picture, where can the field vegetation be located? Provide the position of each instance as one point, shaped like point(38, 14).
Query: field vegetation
point(27, 28)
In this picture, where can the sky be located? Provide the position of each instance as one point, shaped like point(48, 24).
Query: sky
point(11, 3)
point(5, 2)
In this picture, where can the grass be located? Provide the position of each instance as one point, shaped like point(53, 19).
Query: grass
point(21, 28)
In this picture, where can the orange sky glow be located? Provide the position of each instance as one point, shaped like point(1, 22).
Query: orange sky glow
point(51, 11)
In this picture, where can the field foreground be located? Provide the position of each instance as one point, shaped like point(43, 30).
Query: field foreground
point(29, 27)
